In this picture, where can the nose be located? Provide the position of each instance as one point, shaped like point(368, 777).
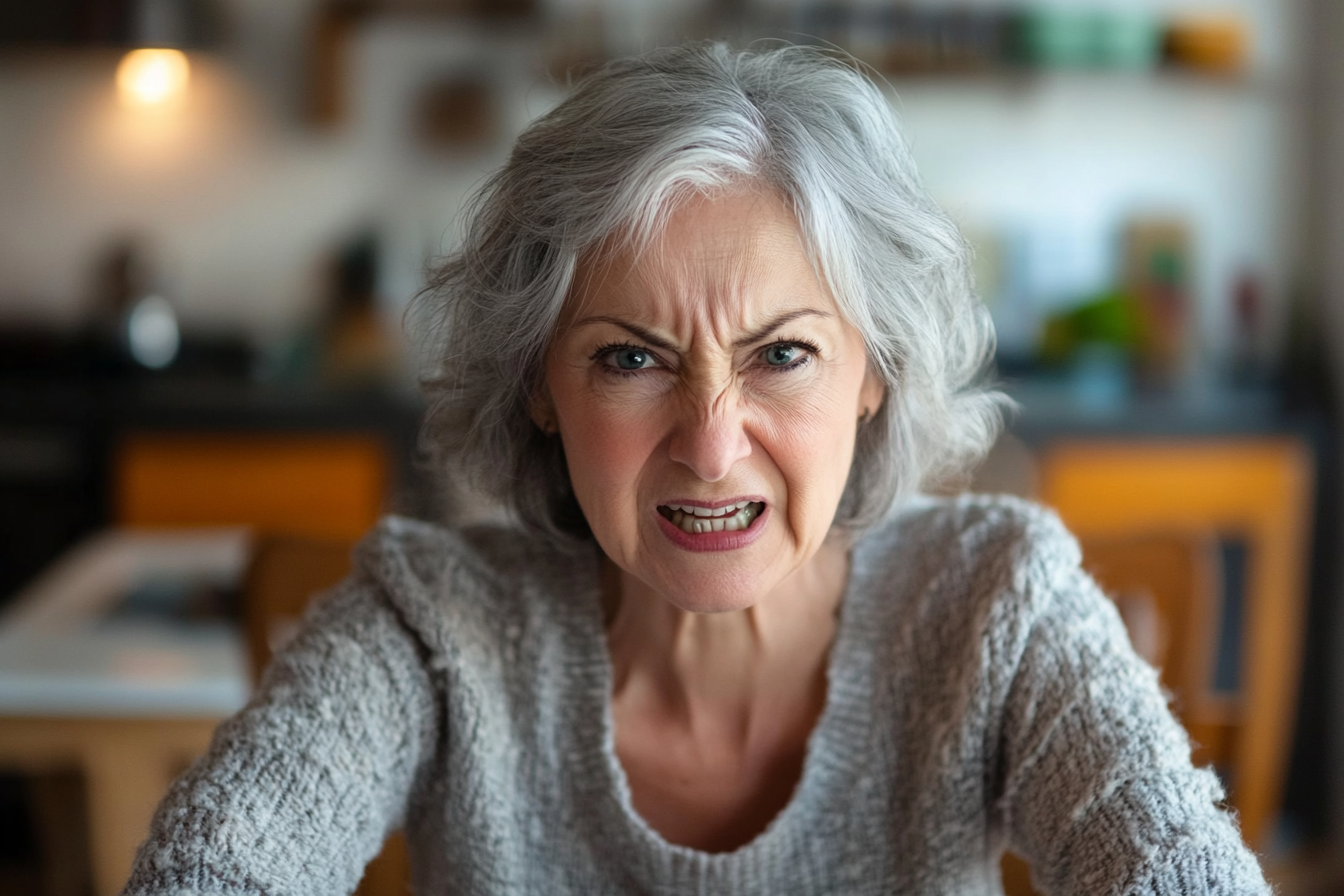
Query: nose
point(709, 439)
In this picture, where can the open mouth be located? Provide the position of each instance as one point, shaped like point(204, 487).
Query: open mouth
point(701, 520)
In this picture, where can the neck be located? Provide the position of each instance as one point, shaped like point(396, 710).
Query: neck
point(741, 668)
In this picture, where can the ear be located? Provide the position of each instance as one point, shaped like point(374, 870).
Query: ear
point(872, 393)
point(542, 411)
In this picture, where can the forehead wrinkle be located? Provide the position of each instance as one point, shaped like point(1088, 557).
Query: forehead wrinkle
point(700, 278)
point(723, 277)
point(603, 270)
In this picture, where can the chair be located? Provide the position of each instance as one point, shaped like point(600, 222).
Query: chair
point(316, 485)
point(1170, 589)
point(1165, 587)
point(1242, 508)
point(1203, 546)
point(283, 575)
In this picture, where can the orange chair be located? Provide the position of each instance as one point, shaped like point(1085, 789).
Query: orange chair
point(308, 497)
point(323, 486)
point(1155, 521)
point(1128, 500)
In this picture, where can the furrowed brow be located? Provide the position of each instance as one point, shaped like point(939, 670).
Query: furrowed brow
point(788, 317)
point(658, 342)
point(633, 329)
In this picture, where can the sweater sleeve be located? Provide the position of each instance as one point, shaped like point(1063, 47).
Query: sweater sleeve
point(298, 791)
point(1099, 794)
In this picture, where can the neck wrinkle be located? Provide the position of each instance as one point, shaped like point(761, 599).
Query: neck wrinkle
point(739, 667)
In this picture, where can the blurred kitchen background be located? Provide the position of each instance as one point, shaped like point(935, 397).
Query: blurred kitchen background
point(214, 213)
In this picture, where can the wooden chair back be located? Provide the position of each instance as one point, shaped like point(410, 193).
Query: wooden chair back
point(284, 574)
point(1214, 536)
point(1203, 547)
point(1171, 591)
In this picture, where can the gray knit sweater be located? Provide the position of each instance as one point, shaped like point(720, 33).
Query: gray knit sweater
point(982, 694)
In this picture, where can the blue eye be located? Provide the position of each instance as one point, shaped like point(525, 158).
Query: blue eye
point(631, 358)
point(781, 354)
point(624, 359)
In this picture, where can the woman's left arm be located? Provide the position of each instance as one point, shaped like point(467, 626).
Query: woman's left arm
point(1098, 791)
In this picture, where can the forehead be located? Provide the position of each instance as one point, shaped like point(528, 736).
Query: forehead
point(734, 256)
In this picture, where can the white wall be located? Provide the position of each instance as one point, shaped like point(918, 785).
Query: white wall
point(241, 202)
point(1066, 160)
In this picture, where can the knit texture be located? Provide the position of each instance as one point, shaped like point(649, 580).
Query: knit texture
point(982, 694)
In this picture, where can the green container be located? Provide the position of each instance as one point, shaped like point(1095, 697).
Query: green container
point(1047, 37)
point(1055, 38)
point(1127, 40)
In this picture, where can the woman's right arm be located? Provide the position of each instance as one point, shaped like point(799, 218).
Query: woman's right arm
point(298, 791)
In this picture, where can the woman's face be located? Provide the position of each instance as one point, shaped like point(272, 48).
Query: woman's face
point(707, 392)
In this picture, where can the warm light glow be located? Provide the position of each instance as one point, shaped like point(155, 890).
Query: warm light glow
point(152, 77)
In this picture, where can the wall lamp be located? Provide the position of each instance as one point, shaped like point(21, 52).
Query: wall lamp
point(154, 34)
point(156, 71)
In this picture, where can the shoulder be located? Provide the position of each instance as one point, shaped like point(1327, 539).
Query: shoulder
point(454, 586)
point(993, 540)
point(414, 556)
point(970, 575)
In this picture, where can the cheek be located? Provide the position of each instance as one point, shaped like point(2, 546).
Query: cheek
point(607, 445)
point(812, 443)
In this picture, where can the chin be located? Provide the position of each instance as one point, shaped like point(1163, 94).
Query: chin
point(712, 591)
point(703, 603)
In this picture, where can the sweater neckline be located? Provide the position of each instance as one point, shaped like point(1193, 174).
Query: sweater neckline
point(836, 748)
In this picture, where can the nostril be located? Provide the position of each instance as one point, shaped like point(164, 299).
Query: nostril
point(711, 449)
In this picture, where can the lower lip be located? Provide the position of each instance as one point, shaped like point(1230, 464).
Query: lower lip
point(713, 541)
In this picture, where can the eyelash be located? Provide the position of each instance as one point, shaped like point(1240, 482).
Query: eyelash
point(810, 351)
point(607, 349)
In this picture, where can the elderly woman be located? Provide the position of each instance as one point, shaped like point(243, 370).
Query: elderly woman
point(710, 341)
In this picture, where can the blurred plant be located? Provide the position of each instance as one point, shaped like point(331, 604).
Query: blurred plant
point(1113, 319)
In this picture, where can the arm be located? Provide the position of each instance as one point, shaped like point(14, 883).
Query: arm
point(1098, 791)
point(299, 790)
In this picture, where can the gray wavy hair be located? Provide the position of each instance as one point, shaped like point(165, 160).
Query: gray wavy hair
point(628, 143)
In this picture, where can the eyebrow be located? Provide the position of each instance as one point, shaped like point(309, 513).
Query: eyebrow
point(658, 342)
point(772, 326)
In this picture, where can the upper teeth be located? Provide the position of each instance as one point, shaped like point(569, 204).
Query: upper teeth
point(709, 511)
point(700, 520)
